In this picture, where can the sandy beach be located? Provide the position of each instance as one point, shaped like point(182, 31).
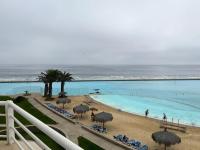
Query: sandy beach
point(133, 126)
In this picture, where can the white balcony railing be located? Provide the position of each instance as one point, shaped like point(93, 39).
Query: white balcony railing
point(10, 108)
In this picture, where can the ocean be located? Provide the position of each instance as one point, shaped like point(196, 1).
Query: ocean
point(102, 72)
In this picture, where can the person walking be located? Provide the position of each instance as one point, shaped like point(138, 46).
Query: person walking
point(147, 113)
point(164, 117)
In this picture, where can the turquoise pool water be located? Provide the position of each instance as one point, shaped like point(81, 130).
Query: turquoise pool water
point(179, 99)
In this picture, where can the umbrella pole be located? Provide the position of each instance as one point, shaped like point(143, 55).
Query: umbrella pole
point(165, 147)
point(103, 125)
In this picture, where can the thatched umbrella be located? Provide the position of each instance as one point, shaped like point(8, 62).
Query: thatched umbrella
point(165, 137)
point(63, 101)
point(80, 109)
point(103, 117)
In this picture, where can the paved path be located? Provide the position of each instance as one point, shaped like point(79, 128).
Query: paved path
point(73, 131)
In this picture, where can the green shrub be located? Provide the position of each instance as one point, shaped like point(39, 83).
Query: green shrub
point(19, 99)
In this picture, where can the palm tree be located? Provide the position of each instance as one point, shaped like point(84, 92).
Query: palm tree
point(63, 77)
point(52, 76)
point(43, 77)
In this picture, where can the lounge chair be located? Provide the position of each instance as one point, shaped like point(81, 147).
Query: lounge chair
point(136, 144)
point(125, 139)
point(144, 147)
point(119, 137)
point(59, 110)
point(99, 128)
point(130, 142)
point(133, 143)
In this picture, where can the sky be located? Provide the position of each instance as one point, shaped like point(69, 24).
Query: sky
point(99, 32)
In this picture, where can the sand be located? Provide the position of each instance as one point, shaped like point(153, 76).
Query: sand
point(133, 126)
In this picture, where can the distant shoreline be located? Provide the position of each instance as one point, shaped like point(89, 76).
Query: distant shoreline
point(150, 79)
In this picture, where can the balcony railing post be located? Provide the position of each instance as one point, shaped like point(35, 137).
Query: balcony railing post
point(10, 123)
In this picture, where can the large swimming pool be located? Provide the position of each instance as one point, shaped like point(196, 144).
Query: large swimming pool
point(179, 99)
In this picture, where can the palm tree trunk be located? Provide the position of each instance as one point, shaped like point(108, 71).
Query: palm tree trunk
point(46, 89)
point(50, 89)
point(62, 89)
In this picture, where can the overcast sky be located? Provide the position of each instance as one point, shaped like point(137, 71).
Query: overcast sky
point(100, 31)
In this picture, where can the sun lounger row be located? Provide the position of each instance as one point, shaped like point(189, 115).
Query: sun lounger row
point(133, 143)
point(99, 128)
point(59, 110)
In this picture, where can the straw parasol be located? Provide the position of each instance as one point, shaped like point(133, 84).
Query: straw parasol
point(165, 137)
point(103, 117)
point(80, 109)
point(63, 101)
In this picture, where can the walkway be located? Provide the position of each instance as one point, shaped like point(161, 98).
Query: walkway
point(73, 131)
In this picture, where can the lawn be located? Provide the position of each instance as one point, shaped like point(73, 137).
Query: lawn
point(87, 145)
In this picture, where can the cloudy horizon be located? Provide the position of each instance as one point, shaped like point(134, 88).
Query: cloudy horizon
point(100, 32)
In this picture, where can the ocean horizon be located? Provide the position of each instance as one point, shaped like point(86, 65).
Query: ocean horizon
point(15, 73)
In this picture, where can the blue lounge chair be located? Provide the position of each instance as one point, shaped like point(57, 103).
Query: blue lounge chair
point(136, 144)
point(119, 137)
point(125, 140)
point(133, 143)
point(59, 110)
point(130, 142)
point(144, 147)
